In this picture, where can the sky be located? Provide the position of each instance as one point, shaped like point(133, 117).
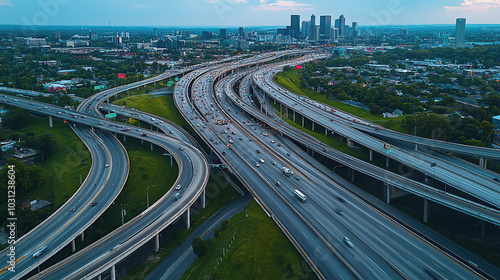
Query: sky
point(233, 13)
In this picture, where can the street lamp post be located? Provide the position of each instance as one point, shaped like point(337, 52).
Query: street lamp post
point(336, 167)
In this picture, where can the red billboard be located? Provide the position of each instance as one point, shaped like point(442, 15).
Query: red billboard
point(122, 76)
point(298, 67)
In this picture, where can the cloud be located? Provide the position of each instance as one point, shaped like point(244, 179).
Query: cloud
point(475, 5)
point(6, 3)
point(281, 5)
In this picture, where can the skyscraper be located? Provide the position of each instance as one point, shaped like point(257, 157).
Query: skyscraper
point(295, 26)
point(325, 26)
point(341, 26)
point(460, 32)
point(312, 28)
point(223, 34)
point(241, 32)
point(355, 33)
point(306, 28)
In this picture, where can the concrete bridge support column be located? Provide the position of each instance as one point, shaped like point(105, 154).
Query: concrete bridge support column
point(483, 228)
point(82, 236)
point(73, 246)
point(157, 242)
point(142, 141)
point(426, 180)
point(303, 119)
point(349, 142)
point(387, 162)
point(98, 277)
point(51, 124)
point(371, 155)
point(188, 221)
point(427, 211)
point(294, 116)
point(203, 199)
point(124, 138)
point(112, 273)
point(326, 131)
point(387, 193)
point(483, 162)
point(416, 147)
point(312, 125)
point(281, 110)
point(352, 175)
point(151, 146)
point(107, 100)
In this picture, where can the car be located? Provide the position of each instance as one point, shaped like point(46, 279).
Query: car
point(257, 164)
point(144, 134)
point(341, 198)
point(272, 141)
point(261, 160)
point(93, 203)
point(181, 149)
point(348, 242)
point(177, 196)
point(297, 178)
point(277, 183)
point(273, 162)
point(288, 154)
point(279, 145)
point(258, 151)
point(339, 211)
point(178, 187)
point(496, 180)
point(106, 165)
point(73, 209)
point(138, 130)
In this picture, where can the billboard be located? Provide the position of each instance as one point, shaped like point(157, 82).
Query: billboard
point(122, 76)
point(112, 115)
point(298, 67)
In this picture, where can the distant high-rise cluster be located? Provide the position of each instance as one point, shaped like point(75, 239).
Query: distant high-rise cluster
point(324, 32)
point(460, 32)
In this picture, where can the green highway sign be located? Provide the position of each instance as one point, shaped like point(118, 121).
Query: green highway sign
point(112, 115)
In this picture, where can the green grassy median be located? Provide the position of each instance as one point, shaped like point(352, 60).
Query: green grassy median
point(260, 250)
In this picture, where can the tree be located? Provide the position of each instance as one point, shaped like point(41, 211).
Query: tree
point(16, 118)
point(200, 246)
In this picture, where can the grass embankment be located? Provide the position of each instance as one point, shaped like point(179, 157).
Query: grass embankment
point(70, 160)
point(260, 250)
point(291, 81)
point(162, 106)
point(219, 193)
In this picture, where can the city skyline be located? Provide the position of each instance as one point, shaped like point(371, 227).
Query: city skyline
point(243, 12)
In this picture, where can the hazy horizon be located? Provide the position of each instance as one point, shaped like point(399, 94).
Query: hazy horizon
point(233, 13)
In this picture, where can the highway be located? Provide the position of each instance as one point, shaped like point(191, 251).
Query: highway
point(473, 184)
point(193, 175)
point(460, 204)
point(63, 227)
point(102, 185)
point(317, 228)
point(367, 258)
